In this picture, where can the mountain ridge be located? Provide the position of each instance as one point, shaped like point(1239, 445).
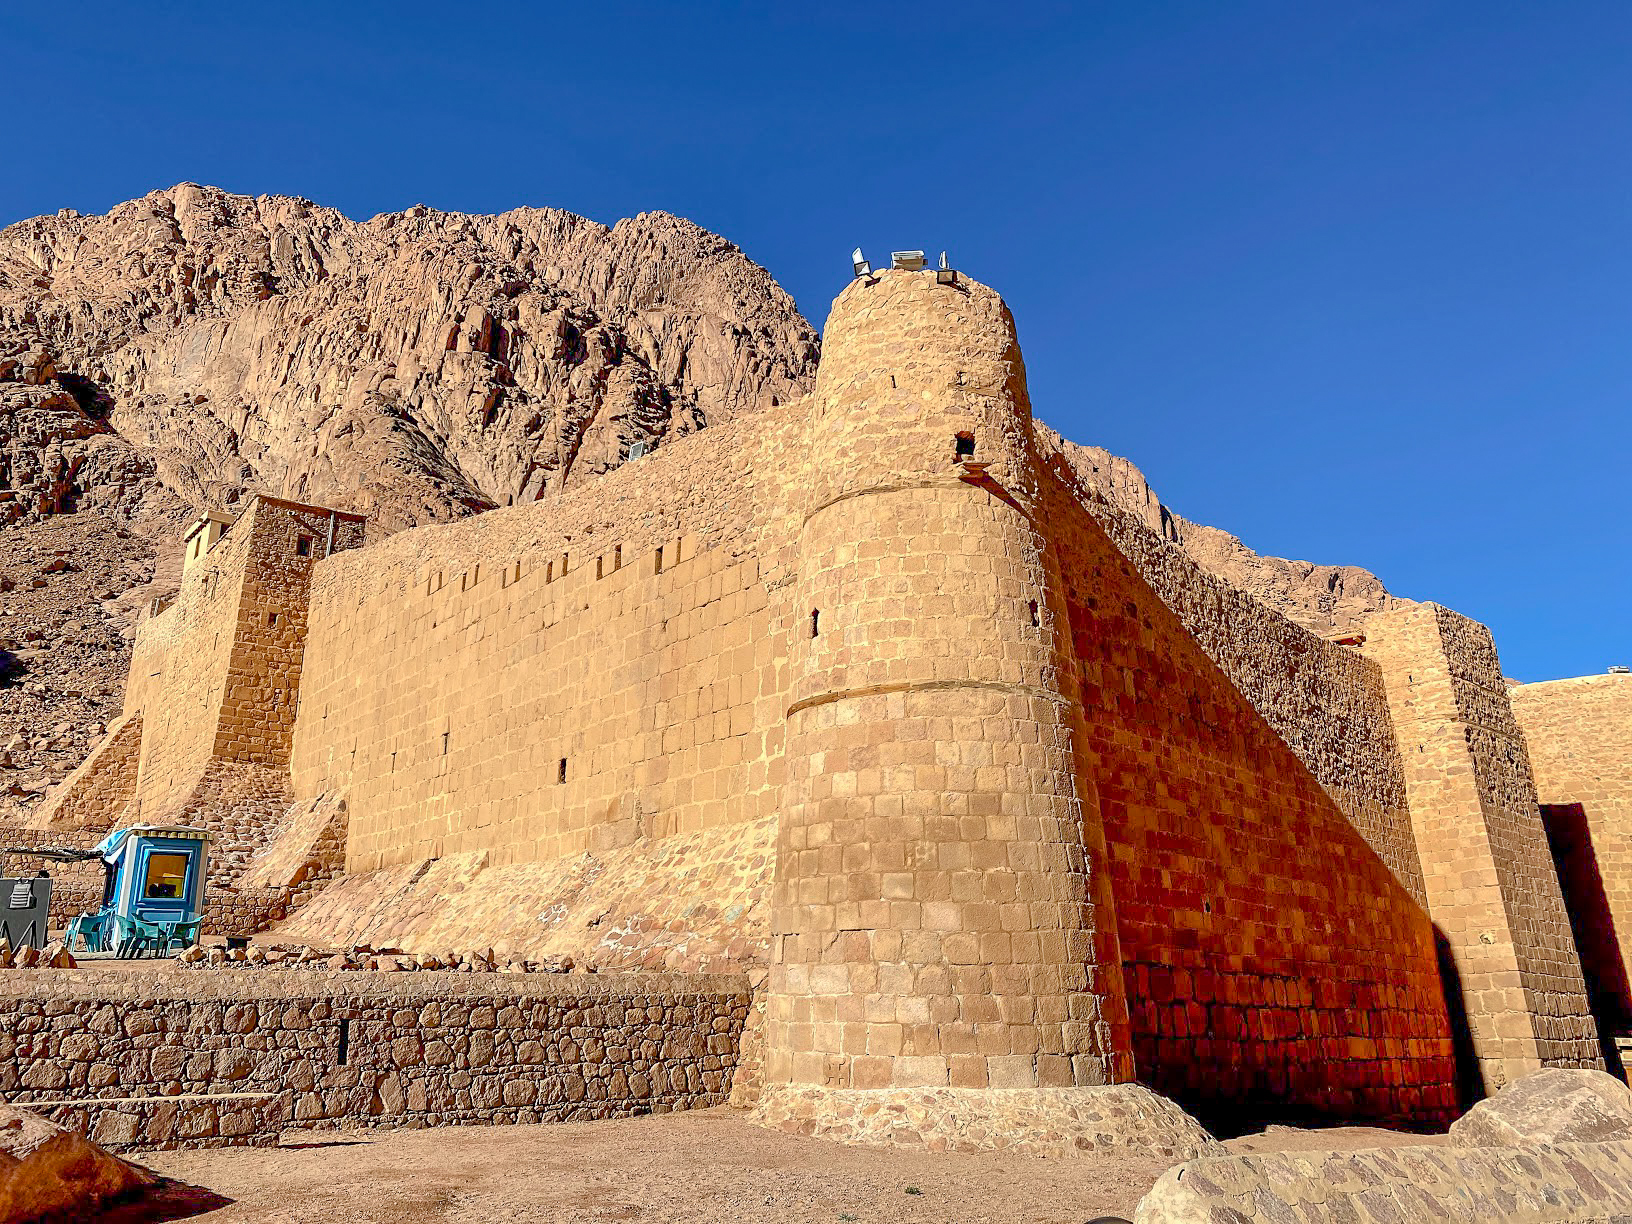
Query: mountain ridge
point(191, 347)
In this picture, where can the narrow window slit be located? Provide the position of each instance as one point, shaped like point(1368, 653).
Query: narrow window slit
point(344, 1050)
point(815, 621)
point(561, 772)
point(1036, 620)
point(659, 568)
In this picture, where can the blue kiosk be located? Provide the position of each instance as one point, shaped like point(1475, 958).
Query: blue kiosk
point(153, 894)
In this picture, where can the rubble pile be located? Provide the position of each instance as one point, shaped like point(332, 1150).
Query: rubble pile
point(371, 960)
point(53, 956)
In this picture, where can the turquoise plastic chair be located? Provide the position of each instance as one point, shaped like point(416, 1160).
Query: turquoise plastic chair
point(90, 929)
point(132, 936)
point(183, 933)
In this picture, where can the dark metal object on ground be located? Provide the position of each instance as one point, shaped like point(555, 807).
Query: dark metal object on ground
point(25, 905)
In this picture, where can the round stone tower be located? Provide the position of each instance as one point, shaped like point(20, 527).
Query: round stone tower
point(942, 914)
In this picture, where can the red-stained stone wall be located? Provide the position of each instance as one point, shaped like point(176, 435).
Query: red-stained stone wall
point(1272, 959)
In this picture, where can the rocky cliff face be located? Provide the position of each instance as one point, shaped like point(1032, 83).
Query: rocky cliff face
point(413, 367)
point(194, 346)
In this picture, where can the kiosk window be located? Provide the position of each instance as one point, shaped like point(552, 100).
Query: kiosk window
point(166, 876)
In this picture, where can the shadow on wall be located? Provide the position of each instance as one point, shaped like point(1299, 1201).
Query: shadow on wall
point(1569, 837)
point(1470, 1077)
point(1277, 970)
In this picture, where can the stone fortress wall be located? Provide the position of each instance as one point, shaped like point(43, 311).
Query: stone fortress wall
point(1272, 951)
point(1252, 973)
point(942, 915)
point(1004, 790)
point(518, 618)
point(634, 694)
point(1579, 733)
point(1491, 883)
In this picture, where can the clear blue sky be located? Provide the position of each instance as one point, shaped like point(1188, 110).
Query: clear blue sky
point(1353, 281)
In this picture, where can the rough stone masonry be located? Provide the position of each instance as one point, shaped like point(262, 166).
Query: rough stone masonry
point(869, 690)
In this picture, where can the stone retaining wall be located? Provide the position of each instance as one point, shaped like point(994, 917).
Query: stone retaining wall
point(149, 1123)
point(423, 1049)
point(247, 910)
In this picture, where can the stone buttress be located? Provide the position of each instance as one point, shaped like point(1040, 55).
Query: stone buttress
point(215, 678)
point(1508, 954)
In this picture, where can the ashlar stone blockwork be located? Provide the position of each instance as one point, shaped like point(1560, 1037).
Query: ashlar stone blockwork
point(866, 691)
point(1579, 733)
point(1491, 884)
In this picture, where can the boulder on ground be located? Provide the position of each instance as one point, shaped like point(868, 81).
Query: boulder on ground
point(46, 1169)
point(1554, 1105)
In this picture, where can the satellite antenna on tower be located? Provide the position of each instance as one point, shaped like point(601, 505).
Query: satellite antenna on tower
point(863, 268)
point(943, 261)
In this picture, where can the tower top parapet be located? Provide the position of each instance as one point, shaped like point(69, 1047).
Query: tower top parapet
point(921, 379)
point(905, 261)
point(203, 534)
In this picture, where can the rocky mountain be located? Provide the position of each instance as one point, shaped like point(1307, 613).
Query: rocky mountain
point(413, 367)
point(193, 346)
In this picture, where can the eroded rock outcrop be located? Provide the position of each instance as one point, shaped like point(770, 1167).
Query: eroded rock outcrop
point(47, 1170)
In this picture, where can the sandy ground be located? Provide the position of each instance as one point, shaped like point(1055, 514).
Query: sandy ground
point(691, 1168)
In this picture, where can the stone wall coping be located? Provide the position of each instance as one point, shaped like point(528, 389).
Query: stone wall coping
point(184, 1098)
point(252, 985)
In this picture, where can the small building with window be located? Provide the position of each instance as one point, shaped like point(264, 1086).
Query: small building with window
point(155, 873)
